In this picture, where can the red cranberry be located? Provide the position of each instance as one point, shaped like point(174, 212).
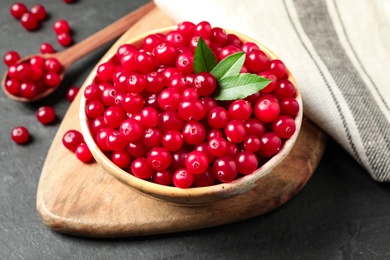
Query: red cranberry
point(20, 135)
point(17, 10)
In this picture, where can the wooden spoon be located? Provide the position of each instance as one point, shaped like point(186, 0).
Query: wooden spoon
point(77, 51)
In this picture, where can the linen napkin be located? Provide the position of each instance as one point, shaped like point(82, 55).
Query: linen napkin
point(339, 53)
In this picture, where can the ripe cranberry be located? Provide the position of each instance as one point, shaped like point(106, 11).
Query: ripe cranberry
point(12, 86)
point(246, 162)
point(71, 93)
point(165, 53)
point(141, 168)
point(178, 159)
point(131, 129)
point(176, 38)
point(120, 159)
point(46, 115)
point(204, 179)
point(114, 116)
point(159, 158)
point(218, 117)
point(284, 127)
point(278, 68)
point(252, 143)
point(186, 28)
point(155, 82)
point(28, 90)
point(105, 71)
point(196, 162)
point(254, 126)
point(72, 139)
point(203, 29)
point(46, 48)
point(172, 140)
point(39, 12)
point(227, 51)
point(17, 10)
point(150, 42)
point(284, 89)
point(28, 21)
point(224, 169)
point(179, 82)
point(191, 110)
point(256, 61)
point(239, 109)
point(185, 63)
point(137, 149)
point(94, 109)
point(65, 39)
point(249, 46)
point(218, 35)
point(235, 131)
point(272, 85)
point(190, 93)
point(204, 83)
point(164, 177)
point(170, 120)
point(149, 117)
point(52, 65)
point(10, 58)
point(169, 99)
point(61, 26)
point(20, 135)
point(217, 146)
point(115, 141)
point(233, 39)
point(136, 82)
point(270, 145)
point(145, 62)
point(101, 138)
point(289, 107)
point(97, 124)
point(194, 133)
point(92, 93)
point(83, 153)
point(125, 49)
point(152, 137)
point(267, 109)
point(51, 79)
point(183, 178)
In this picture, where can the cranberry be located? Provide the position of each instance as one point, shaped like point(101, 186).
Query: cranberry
point(29, 22)
point(218, 117)
point(71, 93)
point(83, 153)
point(172, 140)
point(39, 12)
point(196, 162)
point(120, 159)
point(278, 68)
point(20, 135)
point(194, 133)
point(246, 162)
point(18, 9)
point(159, 158)
point(72, 139)
point(164, 177)
point(185, 63)
point(65, 39)
point(204, 179)
point(61, 26)
point(284, 127)
point(284, 89)
point(267, 109)
point(256, 61)
point(235, 131)
point(224, 169)
point(240, 109)
point(46, 115)
point(191, 110)
point(152, 137)
point(141, 168)
point(204, 83)
point(289, 107)
point(270, 145)
point(186, 28)
point(203, 29)
point(46, 48)
point(131, 129)
point(183, 178)
point(10, 58)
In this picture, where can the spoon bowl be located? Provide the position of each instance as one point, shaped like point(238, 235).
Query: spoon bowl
point(79, 50)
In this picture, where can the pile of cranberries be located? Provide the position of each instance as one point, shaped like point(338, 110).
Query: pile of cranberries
point(158, 120)
point(29, 78)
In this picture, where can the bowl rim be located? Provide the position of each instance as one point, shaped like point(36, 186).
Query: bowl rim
point(157, 190)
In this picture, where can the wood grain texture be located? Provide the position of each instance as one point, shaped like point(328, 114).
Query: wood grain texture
point(82, 199)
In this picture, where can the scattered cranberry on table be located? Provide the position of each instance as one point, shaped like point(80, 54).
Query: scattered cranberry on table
point(71, 93)
point(20, 135)
point(46, 115)
point(17, 10)
point(46, 48)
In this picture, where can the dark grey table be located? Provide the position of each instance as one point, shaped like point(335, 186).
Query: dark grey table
point(340, 214)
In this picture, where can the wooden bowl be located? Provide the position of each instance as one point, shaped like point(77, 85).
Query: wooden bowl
point(196, 196)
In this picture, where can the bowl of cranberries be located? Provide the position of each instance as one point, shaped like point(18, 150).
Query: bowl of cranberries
point(190, 114)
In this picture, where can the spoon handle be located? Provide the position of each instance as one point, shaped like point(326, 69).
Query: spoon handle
point(112, 31)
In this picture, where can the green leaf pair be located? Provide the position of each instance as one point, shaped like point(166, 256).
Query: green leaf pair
point(233, 85)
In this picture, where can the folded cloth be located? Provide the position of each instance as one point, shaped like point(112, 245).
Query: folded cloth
point(339, 53)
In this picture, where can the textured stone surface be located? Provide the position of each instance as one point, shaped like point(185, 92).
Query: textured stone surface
point(340, 214)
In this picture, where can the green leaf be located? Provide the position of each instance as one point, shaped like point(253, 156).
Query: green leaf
point(240, 86)
point(229, 66)
point(204, 59)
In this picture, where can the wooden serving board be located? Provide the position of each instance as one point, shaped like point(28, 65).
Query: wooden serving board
point(82, 199)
